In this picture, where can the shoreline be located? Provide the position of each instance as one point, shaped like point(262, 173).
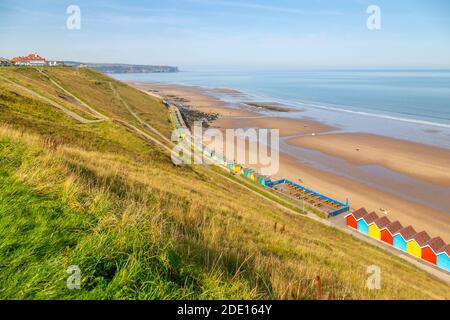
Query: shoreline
point(298, 132)
point(413, 159)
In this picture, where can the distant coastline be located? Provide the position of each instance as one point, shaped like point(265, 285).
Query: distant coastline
point(123, 68)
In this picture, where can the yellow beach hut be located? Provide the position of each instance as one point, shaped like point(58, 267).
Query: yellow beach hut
point(415, 244)
point(376, 226)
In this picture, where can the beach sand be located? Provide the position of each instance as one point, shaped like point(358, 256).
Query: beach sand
point(420, 161)
point(435, 222)
point(197, 97)
point(286, 126)
point(413, 159)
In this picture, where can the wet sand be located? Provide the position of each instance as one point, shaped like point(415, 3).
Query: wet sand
point(286, 126)
point(413, 159)
point(422, 162)
point(196, 97)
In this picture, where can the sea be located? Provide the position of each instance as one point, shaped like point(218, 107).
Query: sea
point(412, 105)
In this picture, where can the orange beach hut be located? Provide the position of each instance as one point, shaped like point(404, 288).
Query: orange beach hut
point(353, 217)
point(431, 249)
point(388, 231)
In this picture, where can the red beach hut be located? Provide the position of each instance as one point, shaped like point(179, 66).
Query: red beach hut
point(387, 232)
point(431, 249)
point(352, 218)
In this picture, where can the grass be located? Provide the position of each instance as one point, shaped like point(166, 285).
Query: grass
point(255, 187)
point(99, 197)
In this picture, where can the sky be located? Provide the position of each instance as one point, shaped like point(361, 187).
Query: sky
point(232, 33)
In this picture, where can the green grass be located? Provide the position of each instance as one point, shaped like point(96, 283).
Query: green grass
point(139, 227)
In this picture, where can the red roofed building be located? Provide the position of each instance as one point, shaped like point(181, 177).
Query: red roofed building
point(30, 60)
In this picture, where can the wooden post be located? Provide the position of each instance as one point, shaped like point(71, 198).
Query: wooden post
point(318, 288)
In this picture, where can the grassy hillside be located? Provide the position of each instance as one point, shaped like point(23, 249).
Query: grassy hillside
point(100, 197)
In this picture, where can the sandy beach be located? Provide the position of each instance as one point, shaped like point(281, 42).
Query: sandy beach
point(286, 126)
point(422, 162)
point(196, 97)
point(414, 159)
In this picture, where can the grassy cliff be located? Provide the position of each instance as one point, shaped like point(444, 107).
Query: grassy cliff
point(99, 196)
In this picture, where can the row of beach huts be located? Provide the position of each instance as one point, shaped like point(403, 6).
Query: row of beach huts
point(406, 239)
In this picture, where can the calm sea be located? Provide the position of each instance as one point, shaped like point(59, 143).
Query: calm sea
point(407, 104)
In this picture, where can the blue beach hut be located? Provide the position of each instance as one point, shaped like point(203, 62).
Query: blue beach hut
point(402, 237)
point(443, 260)
point(363, 224)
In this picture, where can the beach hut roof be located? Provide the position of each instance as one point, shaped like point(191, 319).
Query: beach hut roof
point(421, 238)
point(394, 227)
point(407, 233)
point(358, 214)
point(371, 217)
point(445, 249)
point(436, 244)
point(382, 222)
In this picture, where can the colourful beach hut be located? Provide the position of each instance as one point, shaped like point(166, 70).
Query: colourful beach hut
point(388, 232)
point(352, 218)
point(363, 224)
point(264, 180)
point(247, 172)
point(431, 249)
point(415, 244)
point(376, 226)
point(402, 237)
point(443, 258)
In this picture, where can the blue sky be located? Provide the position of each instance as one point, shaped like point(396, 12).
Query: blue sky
point(275, 34)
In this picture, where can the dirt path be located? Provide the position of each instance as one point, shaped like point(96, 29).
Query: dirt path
point(135, 115)
point(92, 110)
point(68, 112)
